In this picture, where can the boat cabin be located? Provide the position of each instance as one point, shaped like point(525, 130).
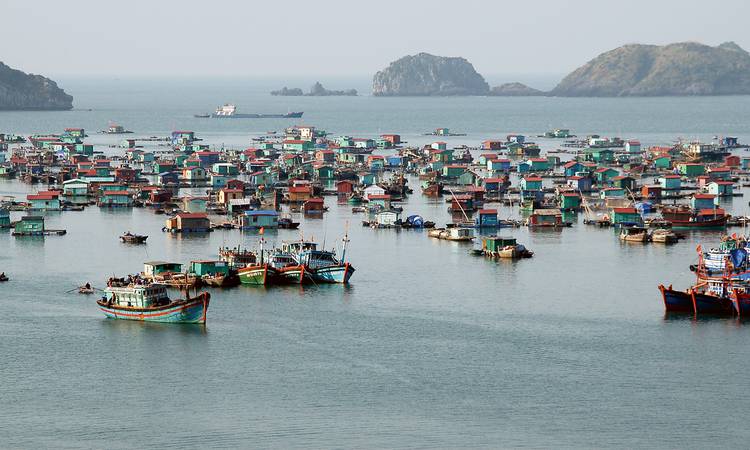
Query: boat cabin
point(138, 296)
point(204, 267)
point(154, 268)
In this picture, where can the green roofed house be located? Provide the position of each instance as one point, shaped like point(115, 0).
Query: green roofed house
point(570, 201)
point(663, 162)
point(155, 268)
point(29, 226)
point(691, 169)
point(204, 267)
point(626, 216)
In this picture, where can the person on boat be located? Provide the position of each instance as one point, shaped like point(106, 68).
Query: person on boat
point(87, 286)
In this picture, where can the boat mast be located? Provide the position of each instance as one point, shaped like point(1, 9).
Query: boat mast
point(459, 205)
point(344, 241)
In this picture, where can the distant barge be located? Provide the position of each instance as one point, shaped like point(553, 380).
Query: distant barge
point(230, 112)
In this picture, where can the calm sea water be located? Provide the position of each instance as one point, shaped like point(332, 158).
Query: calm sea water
point(428, 347)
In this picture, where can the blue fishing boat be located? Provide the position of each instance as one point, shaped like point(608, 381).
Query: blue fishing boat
point(150, 303)
point(676, 301)
point(321, 266)
point(741, 303)
point(711, 304)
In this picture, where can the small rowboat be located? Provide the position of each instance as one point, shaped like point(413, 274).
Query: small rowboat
point(130, 238)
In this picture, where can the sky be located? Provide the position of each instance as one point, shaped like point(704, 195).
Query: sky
point(342, 37)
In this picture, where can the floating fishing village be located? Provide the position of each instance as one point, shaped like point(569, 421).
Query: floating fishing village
point(647, 194)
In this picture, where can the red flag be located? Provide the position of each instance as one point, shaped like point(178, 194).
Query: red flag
point(699, 248)
point(261, 230)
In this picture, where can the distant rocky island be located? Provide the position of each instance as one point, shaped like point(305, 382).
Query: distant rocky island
point(425, 74)
point(317, 90)
point(515, 90)
point(685, 68)
point(22, 91)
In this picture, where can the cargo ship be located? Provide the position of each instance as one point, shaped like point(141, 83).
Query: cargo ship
point(229, 111)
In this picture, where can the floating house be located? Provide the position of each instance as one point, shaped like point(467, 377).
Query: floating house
point(579, 183)
point(691, 169)
point(300, 194)
point(251, 220)
point(114, 199)
point(387, 218)
point(75, 187)
point(373, 190)
point(703, 201)
point(545, 218)
point(570, 201)
point(29, 226)
point(382, 201)
point(225, 169)
point(207, 267)
point(721, 188)
point(498, 165)
point(226, 194)
point(719, 173)
point(345, 187)
point(670, 182)
point(626, 216)
point(652, 192)
point(612, 192)
point(194, 204)
point(604, 175)
point(44, 201)
point(188, 222)
point(625, 182)
point(486, 218)
point(157, 268)
point(316, 205)
point(531, 183)
point(538, 164)
point(663, 162)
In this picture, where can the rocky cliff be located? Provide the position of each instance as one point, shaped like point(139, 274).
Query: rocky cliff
point(22, 91)
point(685, 68)
point(425, 74)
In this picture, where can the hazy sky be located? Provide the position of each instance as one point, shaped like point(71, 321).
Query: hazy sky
point(342, 37)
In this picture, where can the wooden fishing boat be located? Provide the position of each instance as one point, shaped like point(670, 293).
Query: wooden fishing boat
point(258, 274)
point(130, 238)
point(664, 236)
point(685, 217)
point(150, 303)
point(634, 234)
point(286, 269)
point(458, 234)
point(504, 247)
point(287, 223)
point(220, 280)
point(432, 189)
